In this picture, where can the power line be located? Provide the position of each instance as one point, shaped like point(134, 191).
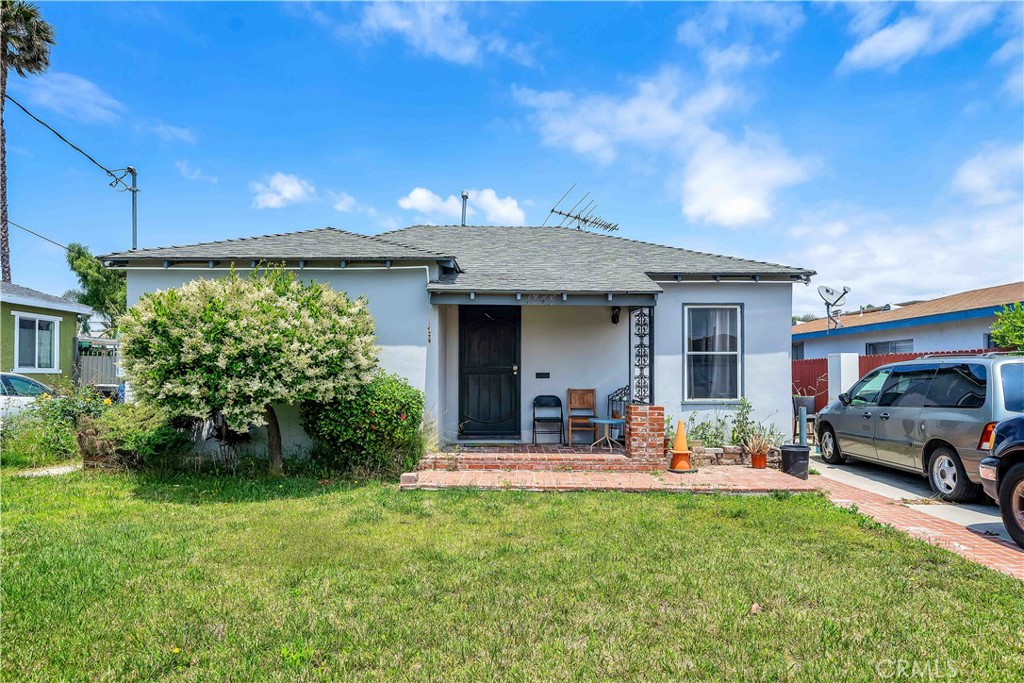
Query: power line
point(118, 180)
point(42, 237)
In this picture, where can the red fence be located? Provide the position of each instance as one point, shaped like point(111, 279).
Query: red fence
point(810, 376)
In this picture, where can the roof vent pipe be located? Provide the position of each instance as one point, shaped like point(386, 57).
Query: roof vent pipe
point(465, 200)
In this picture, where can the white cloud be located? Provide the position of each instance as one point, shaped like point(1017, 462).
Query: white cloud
point(891, 261)
point(497, 210)
point(731, 36)
point(733, 183)
point(727, 181)
point(346, 203)
point(72, 96)
point(169, 133)
point(282, 189)
point(993, 176)
point(926, 30)
point(427, 203)
point(868, 17)
point(435, 29)
point(189, 173)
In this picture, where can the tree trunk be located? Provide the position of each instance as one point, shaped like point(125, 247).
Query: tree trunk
point(5, 242)
point(274, 448)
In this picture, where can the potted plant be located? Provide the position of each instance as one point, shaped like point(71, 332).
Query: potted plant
point(758, 442)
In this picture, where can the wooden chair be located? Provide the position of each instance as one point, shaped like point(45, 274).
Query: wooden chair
point(581, 407)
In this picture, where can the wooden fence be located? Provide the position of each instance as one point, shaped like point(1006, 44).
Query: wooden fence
point(810, 376)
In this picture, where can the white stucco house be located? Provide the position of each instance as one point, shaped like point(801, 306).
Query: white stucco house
point(484, 318)
point(958, 322)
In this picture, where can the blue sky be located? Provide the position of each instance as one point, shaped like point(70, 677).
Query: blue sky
point(879, 144)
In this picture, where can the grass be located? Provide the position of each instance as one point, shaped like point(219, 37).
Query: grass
point(110, 577)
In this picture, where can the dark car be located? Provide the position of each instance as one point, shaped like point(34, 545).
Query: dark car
point(1002, 475)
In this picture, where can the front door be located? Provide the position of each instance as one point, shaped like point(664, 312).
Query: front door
point(489, 372)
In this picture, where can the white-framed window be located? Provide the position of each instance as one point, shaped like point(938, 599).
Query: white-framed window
point(886, 347)
point(712, 352)
point(36, 343)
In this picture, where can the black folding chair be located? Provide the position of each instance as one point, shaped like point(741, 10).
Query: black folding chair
point(547, 403)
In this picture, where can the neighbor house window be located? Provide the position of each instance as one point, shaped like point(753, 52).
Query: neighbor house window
point(711, 366)
point(798, 351)
point(36, 348)
point(989, 344)
point(899, 346)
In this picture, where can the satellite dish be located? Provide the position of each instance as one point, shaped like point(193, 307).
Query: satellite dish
point(831, 296)
point(833, 299)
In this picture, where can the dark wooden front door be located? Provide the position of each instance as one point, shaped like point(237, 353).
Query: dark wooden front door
point(489, 372)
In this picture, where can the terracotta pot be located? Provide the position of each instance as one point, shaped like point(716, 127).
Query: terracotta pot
point(759, 461)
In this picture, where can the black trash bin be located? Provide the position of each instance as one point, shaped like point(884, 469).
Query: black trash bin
point(795, 460)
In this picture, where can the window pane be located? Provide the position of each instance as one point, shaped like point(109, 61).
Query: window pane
point(898, 346)
point(958, 386)
point(44, 339)
point(26, 342)
point(907, 386)
point(712, 377)
point(798, 351)
point(1012, 375)
point(713, 329)
point(867, 390)
point(23, 386)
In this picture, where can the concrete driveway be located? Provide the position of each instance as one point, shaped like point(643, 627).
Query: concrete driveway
point(914, 492)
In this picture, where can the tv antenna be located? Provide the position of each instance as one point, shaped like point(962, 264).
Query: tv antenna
point(582, 217)
point(833, 300)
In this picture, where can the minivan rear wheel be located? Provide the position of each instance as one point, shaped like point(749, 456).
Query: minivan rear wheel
point(830, 452)
point(948, 478)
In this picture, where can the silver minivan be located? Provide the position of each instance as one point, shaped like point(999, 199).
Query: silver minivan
point(934, 415)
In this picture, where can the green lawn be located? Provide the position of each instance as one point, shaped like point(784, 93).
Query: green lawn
point(129, 577)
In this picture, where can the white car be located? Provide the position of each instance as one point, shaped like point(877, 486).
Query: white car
point(17, 392)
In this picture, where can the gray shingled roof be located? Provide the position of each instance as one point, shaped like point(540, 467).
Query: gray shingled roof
point(321, 243)
point(10, 292)
point(553, 259)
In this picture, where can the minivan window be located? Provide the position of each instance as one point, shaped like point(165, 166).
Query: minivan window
point(958, 385)
point(1012, 375)
point(866, 391)
point(907, 386)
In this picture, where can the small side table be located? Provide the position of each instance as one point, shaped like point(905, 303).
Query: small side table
point(608, 423)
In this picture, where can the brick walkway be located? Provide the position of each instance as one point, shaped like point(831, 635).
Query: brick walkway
point(707, 480)
point(987, 550)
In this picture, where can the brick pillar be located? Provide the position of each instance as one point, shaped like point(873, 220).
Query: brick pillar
point(645, 432)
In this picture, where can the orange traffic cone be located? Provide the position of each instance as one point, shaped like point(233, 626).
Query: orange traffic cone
point(680, 452)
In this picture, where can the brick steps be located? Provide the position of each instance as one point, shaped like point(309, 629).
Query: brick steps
point(536, 462)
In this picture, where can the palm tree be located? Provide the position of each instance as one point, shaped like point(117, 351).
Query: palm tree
point(25, 40)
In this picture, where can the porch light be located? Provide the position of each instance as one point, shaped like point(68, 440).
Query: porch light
point(615, 314)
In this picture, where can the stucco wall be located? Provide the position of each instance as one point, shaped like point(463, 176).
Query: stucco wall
point(578, 345)
point(766, 367)
point(957, 335)
point(397, 298)
point(66, 349)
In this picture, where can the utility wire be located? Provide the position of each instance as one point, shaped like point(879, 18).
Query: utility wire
point(117, 179)
point(42, 237)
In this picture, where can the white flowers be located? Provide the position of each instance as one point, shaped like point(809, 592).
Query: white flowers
point(235, 345)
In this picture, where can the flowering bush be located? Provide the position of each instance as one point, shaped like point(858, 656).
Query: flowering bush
point(377, 431)
point(231, 347)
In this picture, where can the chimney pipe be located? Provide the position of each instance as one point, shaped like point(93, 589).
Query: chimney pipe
point(465, 200)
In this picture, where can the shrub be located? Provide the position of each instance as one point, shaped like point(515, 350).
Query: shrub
point(711, 433)
point(378, 431)
point(44, 432)
point(231, 347)
point(1008, 329)
point(742, 426)
point(133, 435)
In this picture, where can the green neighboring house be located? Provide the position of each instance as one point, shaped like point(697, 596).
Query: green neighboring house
point(37, 333)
